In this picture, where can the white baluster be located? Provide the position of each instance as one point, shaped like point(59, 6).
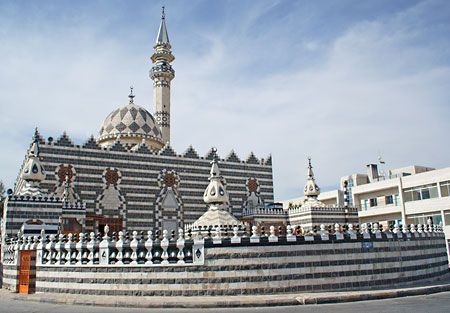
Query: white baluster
point(180, 246)
point(337, 232)
point(235, 238)
point(217, 239)
point(119, 247)
point(50, 248)
point(134, 246)
point(22, 240)
point(16, 252)
point(35, 243)
point(254, 238)
point(365, 231)
point(149, 247)
point(430, 225)
point(376, 231)
point(40, 249)
point(289, 236)
point(420, 229)
point(69, 246)
point(90, 248)
point(323, 233)
point(80, 245)
point(351, 232)
point(272, 237)
point(388, 232)
point(58, 248)
point(164, 247)
point(27, 243)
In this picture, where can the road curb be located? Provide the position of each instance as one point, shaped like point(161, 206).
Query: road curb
point(372, 295)
point(221, 302)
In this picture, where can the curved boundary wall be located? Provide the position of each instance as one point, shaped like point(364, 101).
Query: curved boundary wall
point(298, 264)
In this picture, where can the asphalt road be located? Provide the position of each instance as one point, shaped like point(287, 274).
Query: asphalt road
point(435, 303)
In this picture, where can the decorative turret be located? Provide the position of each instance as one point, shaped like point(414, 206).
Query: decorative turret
point(162, 74)
point(33, 172)
point(216, 196)
point(216, 193)
point(312, 190)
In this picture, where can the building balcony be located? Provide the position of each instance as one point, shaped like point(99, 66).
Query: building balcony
point(427, 205)
point(380, 210)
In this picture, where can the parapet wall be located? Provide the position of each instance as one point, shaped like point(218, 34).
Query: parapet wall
point(260, 266)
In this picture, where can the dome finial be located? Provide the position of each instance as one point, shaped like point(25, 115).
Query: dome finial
point(163, 14)
point(215, 171)
point(215, 158)
point(310, 171)
point(35, 145)
point(131, 95)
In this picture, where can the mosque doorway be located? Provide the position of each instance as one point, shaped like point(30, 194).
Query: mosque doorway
point(27, 272)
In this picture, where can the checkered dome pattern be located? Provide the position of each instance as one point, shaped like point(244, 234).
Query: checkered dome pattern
point(131, 119)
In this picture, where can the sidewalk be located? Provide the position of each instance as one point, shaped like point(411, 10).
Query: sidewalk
point(232, 301)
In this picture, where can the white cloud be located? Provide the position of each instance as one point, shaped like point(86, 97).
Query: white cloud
point(377, 89)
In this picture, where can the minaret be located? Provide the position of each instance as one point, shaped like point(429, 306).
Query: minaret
point(162, 74)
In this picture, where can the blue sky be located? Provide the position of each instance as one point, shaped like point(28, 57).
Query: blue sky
point(341, 81)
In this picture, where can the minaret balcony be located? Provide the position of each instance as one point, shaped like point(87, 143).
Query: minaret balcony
point(162, 54)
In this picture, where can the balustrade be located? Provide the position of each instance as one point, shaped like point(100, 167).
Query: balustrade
point(187, 248)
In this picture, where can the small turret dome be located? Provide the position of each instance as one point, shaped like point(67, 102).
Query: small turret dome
point(33, 170)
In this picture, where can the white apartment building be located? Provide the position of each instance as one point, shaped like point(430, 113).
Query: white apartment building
point(408, 195)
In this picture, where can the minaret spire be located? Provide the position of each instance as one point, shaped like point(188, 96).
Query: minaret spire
point(162, 37)
point(162, 74)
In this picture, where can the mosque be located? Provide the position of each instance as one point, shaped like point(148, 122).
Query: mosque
point(131, 179)
point(124, 215)
point(128, 177)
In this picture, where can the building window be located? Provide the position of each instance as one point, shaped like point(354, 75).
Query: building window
point(364, 204)
point(421, 193)
point(389, 199)
point(373, 202)
point(436, 218)
point(445, 188)
point(447, 218)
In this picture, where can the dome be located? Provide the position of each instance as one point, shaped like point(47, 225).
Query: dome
point(132, 124)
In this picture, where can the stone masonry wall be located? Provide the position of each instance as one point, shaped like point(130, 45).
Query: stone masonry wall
point(262, 268)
